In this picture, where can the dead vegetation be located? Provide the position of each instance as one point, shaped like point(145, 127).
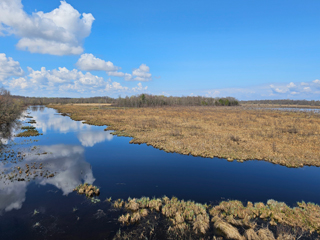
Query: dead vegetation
point(234, 133)
point(87, 189)
point(228, 220)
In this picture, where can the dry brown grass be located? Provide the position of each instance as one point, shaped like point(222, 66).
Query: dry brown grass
point(264, 105)
point(281, 137)
point(91, 104)
point(230, 219)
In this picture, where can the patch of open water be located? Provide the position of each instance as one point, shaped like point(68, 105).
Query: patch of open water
point(78, 153)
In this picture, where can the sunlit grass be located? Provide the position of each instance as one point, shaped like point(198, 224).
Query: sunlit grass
point(235, 133)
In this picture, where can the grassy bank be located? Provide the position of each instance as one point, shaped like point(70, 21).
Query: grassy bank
point(235, 133)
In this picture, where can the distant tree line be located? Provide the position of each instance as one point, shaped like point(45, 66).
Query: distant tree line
point(57, 100)
point(142, 100)
point(146, 100)
point(285, 102)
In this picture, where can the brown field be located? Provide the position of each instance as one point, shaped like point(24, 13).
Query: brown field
point(235, 133)
point(92, 104)
point(263, 105)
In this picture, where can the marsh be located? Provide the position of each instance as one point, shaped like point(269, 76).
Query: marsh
point(76, 153)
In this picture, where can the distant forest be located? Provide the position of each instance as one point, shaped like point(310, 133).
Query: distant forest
point(284, 102)
point(58, 100)
point(142, 100)
point(146, 100)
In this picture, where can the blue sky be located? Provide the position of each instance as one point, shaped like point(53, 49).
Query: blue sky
point(246, 49)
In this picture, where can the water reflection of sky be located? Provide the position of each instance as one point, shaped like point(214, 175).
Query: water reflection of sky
point(66, 160)
point(48, 120)
point(66, 155)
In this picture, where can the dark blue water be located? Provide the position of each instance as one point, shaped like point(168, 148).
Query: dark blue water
point(80, 153)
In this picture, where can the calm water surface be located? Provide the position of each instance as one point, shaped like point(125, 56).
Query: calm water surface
point(80, 153)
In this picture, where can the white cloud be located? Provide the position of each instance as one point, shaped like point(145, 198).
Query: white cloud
point(89, 79)
point(63, 75)
point(279, 89)
point(291, 85)
point(302, 90)
point(88, 62)
point(73, 79)
point(115, 86)
point(66, 81)
point(59, 32)
point(126, 76)
point(18, 83)
point(139, 88)
point(307, 89)
point(142, 73)
point(61, 79)
point(9, 68)
point(139, 74)
point(317, 81)
point(213, 93)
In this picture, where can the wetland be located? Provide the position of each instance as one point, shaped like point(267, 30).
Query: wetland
point(76, 180)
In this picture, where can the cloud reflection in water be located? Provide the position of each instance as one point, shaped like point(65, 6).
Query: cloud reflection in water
point(66, 160)
point(90, 138)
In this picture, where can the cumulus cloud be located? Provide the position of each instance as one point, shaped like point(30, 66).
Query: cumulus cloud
point(9, 68)
point(61, 79)
point(59, 32)
point(139, 74)
point(115, 86)
point(142, 73)
point(126, 76)
point(65, 80)
point(88, 62)
point(139, 88)
point(18, 83)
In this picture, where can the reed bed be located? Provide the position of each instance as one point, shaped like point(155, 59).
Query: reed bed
point(288, 138)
